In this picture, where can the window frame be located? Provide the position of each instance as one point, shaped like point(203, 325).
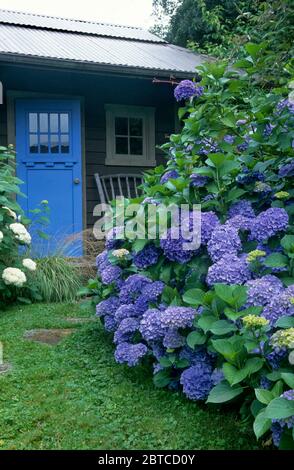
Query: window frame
point(147, 114)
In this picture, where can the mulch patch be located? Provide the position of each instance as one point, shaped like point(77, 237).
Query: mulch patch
point(52, 336)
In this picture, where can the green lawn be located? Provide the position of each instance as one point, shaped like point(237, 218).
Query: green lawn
point(74, 395)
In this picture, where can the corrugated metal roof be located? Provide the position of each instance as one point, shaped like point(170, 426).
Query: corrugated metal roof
point(40, 42)
point(77, 26)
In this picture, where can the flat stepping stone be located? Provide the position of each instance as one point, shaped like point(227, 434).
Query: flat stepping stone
point(4, 368)
point(52, 336)
point(80, 320)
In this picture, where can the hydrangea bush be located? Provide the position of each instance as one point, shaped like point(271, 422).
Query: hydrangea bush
point(16, 269)
point(217, 322)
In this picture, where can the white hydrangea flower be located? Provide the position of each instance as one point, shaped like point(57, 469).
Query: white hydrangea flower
point(20, 233)
point(29, 264)
point(10, 212)
point(14, 277)
point(120, 253)
point(1, 236)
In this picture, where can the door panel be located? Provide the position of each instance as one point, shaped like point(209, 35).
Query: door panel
point(48, 144)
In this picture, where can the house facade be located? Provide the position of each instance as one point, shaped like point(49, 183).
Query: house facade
point(79, 98)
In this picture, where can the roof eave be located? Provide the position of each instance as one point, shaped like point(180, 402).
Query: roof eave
point(22, 59)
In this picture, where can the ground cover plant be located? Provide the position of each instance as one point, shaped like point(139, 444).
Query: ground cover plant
point(55, 397)
point(217, 322)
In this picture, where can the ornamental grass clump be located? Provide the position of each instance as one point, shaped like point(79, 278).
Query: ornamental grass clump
point(216, 321)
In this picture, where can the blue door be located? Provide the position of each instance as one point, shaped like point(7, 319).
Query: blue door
point(48, 145)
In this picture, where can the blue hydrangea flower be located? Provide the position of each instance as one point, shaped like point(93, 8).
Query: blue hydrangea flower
point(230, 139)
point(198, 181)
point(276, 357)
point(265, 383)
point(107, 306)
point(229, 270)
point(114, 238)
point(186, 89)
point(208, 146)
point(279, 425)
point(224, 241)
point(196, 356)
point(243, 208)
point(151, 200)
point(102, 260)
point(146, 257)
point(247, 177)
point(269, 223)
point(125, 311)
point(268, 129)
point(130, 354)
point(178, 317)
point(173, 339)
point(173, 247)
point(209, 221)
point(152, 291)
point(285, 103)
point(287, 170)
point(110, 323)
point(240, 223)
point(196, 381)
point(126, 330)
point(172, 174)
point(261, 291)
point(110, 274)
point(280, 305)
point(150, 326)
point(132, 288)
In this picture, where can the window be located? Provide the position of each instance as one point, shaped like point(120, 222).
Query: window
point(49, 133)
point(130, 135)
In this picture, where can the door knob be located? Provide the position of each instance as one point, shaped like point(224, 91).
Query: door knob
point(77, 181)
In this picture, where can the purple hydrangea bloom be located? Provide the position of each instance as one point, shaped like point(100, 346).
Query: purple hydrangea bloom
point(269, 223)
point(132, 288)
point(150, 327)
point(131, 354)
point(114, 238)
point(286, 170)
point(186, 89)
point(277, 431)
point(240, 223)
point(243, 208)
point(141, 304)
point(178, 317)
point(261, 291)
point(224, 241)
point(107, 306)
point(151, 200)
point(198, 181)
point(158, 350)
point(244, 145)
point(110, 323)
point(125, 311)
point(265, 383)
point(280, 305)
point(209, 146)
point(196, 356)
point(276, 357)
point(268, 129)
point(280, 424)
point(230, 139)
point(152, 291)
point(229, 270)
point(102, 260)
point(146, 257)
point(285, 103)
point(157, 368)
point(173, 339)
point(172, 174)
point(209, 222)
point(247, 176)
point(241, 122)
point(173, 247)
point(126, 330)
point(196, 381)
point(110, 274)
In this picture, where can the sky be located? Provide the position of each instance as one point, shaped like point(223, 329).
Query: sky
point(127, 12)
